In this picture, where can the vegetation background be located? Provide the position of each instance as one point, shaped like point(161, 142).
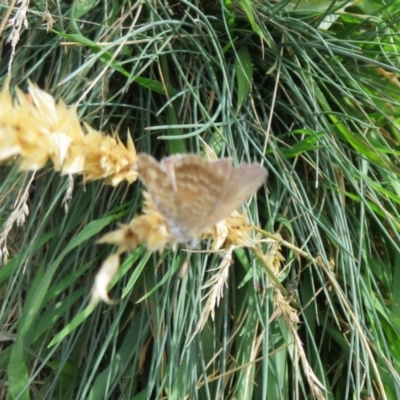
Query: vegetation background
point(309, 88)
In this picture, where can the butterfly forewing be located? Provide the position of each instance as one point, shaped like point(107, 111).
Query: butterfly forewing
point(158, 185)
point(240, 184)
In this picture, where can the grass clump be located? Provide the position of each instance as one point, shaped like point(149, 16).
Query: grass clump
point(310, 311)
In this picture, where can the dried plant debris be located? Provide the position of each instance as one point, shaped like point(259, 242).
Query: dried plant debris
point(35, 130)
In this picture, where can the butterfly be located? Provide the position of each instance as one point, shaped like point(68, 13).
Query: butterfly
point(193, 194)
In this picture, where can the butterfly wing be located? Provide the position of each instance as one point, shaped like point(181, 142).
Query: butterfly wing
point(240, 184)
point(199, 184)
point(158, 185)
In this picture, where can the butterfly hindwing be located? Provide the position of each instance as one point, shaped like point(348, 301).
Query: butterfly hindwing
point(199, 184)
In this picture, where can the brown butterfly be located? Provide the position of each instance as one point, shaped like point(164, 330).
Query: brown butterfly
point(194, 194)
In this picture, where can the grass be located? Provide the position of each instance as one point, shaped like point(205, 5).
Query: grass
point(310, 90)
